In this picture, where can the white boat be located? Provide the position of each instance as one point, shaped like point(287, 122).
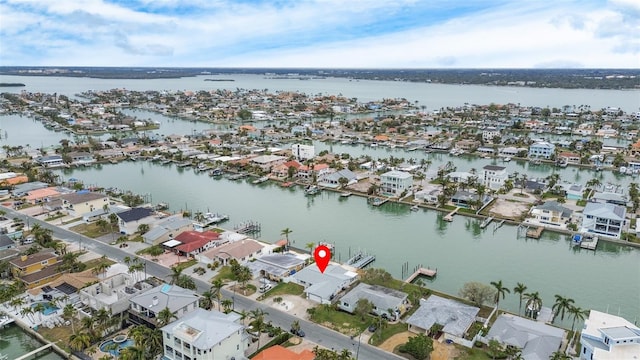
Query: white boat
point(311, 190)
point(415, 208)
point(345, 194)
point(506, 159)
point(260, 180)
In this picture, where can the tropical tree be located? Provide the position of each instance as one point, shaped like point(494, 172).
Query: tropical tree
point(206, 300)
point(176, 272)
point(559, 355)
point(534, 304)
point(39, 308)
point(143, 228)
point(310, 246)
point(165, 316)
point(285, 232)
point(227, 304)
point(69, 312)
point(80, 341)
point(132, 353)
point(500, 290)
point(519, 289)
point(186, 281)
point(216, 288)
point(363, 308)
point(476, 292)
point(561, 305)
point(578, 314)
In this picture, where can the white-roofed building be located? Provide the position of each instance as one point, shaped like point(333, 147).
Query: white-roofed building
point(144, 308)
point(394, 183)
point(323, 287)
point(609, 337)
point(603, 219)
point(205, 335)
point(382, 298)
point(454, 316)
point(537, 340)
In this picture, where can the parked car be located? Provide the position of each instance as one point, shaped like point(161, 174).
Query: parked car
point(265, 287)
point(373, 328)
point(299, 332)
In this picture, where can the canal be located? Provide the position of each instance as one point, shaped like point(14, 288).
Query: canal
point(605, 280)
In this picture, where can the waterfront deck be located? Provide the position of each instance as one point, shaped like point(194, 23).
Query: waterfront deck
point(345, 194)
point(361, 260)
point(376, 201)
point(449, 216)
point(428, 272)
point(247, 227)
point(535, 233)
point(486, 222)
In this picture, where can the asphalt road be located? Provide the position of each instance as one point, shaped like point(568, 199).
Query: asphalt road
point(314, 333)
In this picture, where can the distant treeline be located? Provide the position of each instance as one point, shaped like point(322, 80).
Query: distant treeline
point(548, 78)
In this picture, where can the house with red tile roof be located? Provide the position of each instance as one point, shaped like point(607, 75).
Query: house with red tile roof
point(282, 170)
point(195, 242)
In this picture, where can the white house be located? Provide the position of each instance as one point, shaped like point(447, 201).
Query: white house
point(144, 307)
point(394, 183)
point(603, 219)
point(542, 149)
point(493, 176)
point(323, 287)
point(205, 335)
point(303, 152)
point(609, 337)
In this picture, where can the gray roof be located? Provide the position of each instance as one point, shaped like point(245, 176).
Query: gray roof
point(454, 316)
point(325, 284)
point(168, 296)
point(135, 214)
point(80, 197)
point(555, 207)
point(172, 223)
point(494, 167)
point(204, 329)
point(6, 241)
point(537, 340)
point(345, 173)
point(606, 210)
point(381, 297)
point(275, 264)
point(619, 332)
point(30, 186)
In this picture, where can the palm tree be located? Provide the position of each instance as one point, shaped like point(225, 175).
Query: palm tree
point(69, 312)
point(176, 271)
point(186, 281)
point(559, 355)
point(562, 304)
point(578, 314)
point(27, 312)
point(165, 316)
point(80, 341)
point(216, 288)
point(16, 302)
point(500, 290)
point(39, 308)
point(132, 353)
point(206, 301)
point(310, 246)
point(519, 289)
point(285, 232)
point(227, 304)
point(534, 303)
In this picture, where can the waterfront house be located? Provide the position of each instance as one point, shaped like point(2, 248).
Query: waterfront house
point(37, 269)
point(609, 197)
point(166, 229)
point(603, 219)
point(205, 335)
point(241, 251)
point(429, 194)
point(129, 220)
point(39, 196)
point(307, 172)
point(551, 213)
point(50, 161)
point(511, 151)
point(81, 158)
point(388, 303)
point(276, 266)
point(489, 134)
point(268, 162)
point(323, 287)
point(608, 337)
point(66, 285)
point(536, 340)
point(194, 242)
point(113, 293)
point(82, 202)
point(454, 317)
point(332, 180)
point(569, 158)
point(395, 183)
point(282, 170)
point(542, 149)
point(303, 152)
point(494, 177)
point(466, 199)
point(467, 145)
point(145, 306)
point(282, 353)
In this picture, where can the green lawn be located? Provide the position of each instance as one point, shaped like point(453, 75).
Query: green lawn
point(471, 354)
point(283, 289)
point(339, 320)
point(91, 230)
point(186, 264)
point(224, 274)
point(381, 336)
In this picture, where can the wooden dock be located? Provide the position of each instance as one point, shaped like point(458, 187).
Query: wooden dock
point(360, 260)
point(486, 222)
point(36, 351)
point(248, 227)
point(449, 216)
point(422, 271)
point(535, 233)
point(589, 243)
point(376, 201)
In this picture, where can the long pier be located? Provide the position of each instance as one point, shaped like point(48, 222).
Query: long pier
point(40, 349)
point(449, 216)
point(422, 271)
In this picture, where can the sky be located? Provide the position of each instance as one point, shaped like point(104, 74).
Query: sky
point(321, 33)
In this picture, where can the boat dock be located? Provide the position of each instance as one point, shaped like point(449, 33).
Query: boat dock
point(247, 227)
point(376, 201)
point(36, 351)
point(360, 260)
point(449, 216)
point(486, 222)
point(588, 242)
point(498, 225)
point(428, 272)
point(535, 233)
point(345, 194)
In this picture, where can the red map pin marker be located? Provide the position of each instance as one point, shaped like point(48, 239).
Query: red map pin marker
point(322, 256)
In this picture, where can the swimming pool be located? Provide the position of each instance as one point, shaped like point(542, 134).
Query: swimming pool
point(48, 309)
point(114, 348)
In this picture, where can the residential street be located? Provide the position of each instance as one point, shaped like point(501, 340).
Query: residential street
point(314, 333)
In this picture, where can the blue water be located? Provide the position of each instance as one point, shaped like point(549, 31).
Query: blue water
point(48, 309)
point(115, 352)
